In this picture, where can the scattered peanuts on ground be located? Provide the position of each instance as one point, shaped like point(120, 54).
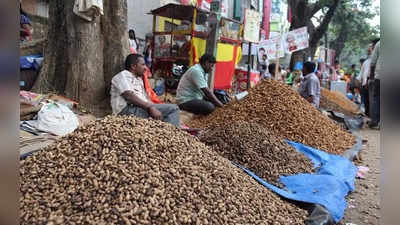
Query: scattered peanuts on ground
point(125, 170)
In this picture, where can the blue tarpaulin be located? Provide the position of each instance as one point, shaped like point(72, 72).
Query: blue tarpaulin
point(329, 186)
point(30, 61)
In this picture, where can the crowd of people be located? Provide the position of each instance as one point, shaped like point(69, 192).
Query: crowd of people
point(362, 81)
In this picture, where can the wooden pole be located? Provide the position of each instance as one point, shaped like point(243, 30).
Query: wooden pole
point(277, 59)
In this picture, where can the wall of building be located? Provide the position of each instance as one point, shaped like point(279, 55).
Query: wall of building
point(138, 19)
point(36, 7)
point(38, 12)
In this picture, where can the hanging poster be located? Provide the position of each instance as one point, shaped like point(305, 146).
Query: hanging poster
point(252, 23)
point(245, 49)
point(206, 5)
point(270, 48)
point(296, 40)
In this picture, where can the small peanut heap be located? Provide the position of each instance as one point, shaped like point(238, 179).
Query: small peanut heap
point(254, 147)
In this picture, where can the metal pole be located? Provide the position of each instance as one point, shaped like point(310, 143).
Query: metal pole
point(249, 61)
point(326, 48)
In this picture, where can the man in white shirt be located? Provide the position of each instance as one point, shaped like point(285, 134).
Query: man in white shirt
point(376, 70)
point(129, 96)
point(365, 90)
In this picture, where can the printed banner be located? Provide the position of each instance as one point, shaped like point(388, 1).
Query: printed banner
point(270, 48)
point(296, 40)
point(252, 23)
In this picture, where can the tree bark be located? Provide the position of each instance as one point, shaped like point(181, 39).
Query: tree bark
point(81, 57)
point(339, 43)
point(299, 15)
point(116, 44)
point(319, 31)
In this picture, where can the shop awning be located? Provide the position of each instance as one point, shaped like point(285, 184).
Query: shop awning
point(175, 11)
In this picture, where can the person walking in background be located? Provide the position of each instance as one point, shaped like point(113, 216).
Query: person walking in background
point(354, 84)
point(147, 53)
point(133, 44)
point(263, 66)
point(375, 76)
point(289, 77)
point(271, 70)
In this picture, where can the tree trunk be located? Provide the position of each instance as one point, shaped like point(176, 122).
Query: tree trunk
point(339, 43)
point(299, 15)
point(116, 44)
point(319, 31)
point(81, 57)
point(302, 13)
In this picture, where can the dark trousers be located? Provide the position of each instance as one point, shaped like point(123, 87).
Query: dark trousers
point(197, 106)
point(365, 99)
point(376, 102)
point(170, 113)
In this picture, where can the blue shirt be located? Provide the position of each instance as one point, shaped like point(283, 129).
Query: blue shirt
point(310, 86)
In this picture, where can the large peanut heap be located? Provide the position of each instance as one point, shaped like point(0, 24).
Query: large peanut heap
point(336, 101)
point(124, 170)
point(286, 114)
point(254, 147)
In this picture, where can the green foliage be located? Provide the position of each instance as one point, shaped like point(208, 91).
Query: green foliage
point(352, 18)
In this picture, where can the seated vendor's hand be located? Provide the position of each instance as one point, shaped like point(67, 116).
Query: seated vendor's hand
point(155, 113)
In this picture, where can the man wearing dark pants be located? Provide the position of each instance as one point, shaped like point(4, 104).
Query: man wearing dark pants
point(376, 67)
point(193, 94)
point(129, 96)
point(366, 90)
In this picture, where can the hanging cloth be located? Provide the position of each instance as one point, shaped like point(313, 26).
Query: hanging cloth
point(88, 9)
point(152, 95)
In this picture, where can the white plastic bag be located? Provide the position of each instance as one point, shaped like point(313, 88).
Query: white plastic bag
point(57, 119)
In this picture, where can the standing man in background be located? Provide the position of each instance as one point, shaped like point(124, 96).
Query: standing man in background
point(366, 90)
point(376, 70)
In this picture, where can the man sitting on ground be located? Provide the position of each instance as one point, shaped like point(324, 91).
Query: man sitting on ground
point(129, 96)
point(193, 94)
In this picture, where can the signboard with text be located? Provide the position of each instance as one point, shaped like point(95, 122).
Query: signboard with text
point(270, 48)
point(252, 23)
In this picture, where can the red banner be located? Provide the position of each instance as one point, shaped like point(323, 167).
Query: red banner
point(267, 15)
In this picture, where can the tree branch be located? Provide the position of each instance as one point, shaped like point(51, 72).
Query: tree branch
point(314, 8)
point(323, 27)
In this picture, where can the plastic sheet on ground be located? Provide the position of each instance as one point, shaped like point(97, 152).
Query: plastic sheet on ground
point(30, 61)
point(352, 123)
point(327, 187)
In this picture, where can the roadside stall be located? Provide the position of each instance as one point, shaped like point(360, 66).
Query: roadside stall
point(180, 36)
